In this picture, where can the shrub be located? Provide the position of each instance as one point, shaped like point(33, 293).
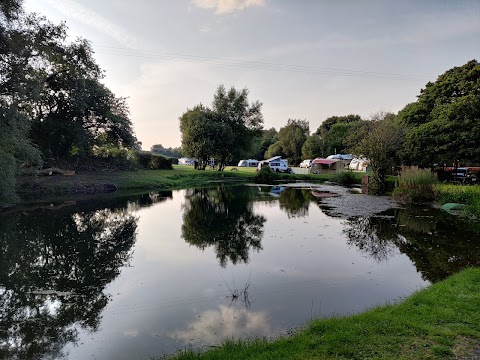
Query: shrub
point(414, 184)
point(345, 178)
point(265, 176)
point(147, 160)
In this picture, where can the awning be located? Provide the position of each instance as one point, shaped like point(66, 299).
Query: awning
point(325, 161)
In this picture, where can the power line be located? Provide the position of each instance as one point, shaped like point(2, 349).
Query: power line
point(257, 65)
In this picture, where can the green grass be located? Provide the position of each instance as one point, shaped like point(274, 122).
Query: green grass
point(463, 194)
point(440, 322)
point(181, 176)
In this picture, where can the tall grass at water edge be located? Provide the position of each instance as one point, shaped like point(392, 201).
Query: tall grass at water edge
point(463, 194)
point(415, 185)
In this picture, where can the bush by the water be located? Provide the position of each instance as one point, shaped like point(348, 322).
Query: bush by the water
point(265, 176)
point(414, 184)
point(147, 160)
point(345, 178)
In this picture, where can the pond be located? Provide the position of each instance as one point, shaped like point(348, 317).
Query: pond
point(141, 276)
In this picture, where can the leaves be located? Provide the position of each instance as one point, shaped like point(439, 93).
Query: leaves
point(224, 132)
point(443, 125)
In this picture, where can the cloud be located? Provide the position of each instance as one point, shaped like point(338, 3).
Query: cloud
point(227, 6)
point(223, 323)
point(88, 17)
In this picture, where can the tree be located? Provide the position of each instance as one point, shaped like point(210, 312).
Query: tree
point(262, 142)
point(451, 136)
point(274, 150)
point(291, 139)
point(443, 124)
point(312, 147)
point(224, 132)
point(16, 84)
point(333, 132)
point(169, 152)
point(75, 111)
point(329, 122)
point(382, 140)
point(51, 98)
point(203, 134)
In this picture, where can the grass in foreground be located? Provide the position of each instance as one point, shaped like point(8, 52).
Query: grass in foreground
point(440, 322)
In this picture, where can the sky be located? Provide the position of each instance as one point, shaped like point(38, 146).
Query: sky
point(307, 59)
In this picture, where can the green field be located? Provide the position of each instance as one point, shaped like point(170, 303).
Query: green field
point(182, 176)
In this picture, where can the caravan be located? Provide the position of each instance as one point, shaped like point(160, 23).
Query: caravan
point(248, 163)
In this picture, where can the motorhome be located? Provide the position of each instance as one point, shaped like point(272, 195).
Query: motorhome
point(275, 163)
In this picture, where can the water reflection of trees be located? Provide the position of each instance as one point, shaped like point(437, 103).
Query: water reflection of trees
point(223, 218)
point(295, 202)
point(55, 265)
point(436, 243)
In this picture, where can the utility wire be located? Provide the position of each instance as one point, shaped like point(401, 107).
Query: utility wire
point(258, 65)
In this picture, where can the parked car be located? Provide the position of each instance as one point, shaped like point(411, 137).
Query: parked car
point(307, 164)
point(464, 175)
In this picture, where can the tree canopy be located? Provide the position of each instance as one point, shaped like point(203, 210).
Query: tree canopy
point(312, 147)
point(444, 123)
point(380, 141)
point(169, 152)
point(334, 131)
point(52, 102)
point(225, 132)
point(291, 138)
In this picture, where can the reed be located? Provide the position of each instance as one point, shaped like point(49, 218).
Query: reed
point(415, 185)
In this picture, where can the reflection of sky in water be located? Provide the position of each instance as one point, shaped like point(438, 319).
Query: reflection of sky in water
point(174, 294)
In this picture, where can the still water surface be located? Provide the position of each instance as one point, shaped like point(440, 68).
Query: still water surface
point(129, 278)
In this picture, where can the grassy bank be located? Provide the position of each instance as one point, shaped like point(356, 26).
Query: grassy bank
point(145, 180)
point(442, 321)
point(463, 194)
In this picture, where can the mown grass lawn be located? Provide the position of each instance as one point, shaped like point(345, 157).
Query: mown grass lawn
point(182, 176)
point(439, 322)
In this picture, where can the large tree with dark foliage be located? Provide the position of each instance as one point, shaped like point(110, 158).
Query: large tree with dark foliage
point(291, 138)
point(380, 140)
point(333, 132)
point(224, 132)
point(52, 102)
point(444, 123)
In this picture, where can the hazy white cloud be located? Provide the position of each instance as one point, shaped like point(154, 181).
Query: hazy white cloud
point(228, 6)
point(223, 323)
point(88, 17)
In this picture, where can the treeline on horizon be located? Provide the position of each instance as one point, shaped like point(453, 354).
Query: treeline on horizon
point(442, 126)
